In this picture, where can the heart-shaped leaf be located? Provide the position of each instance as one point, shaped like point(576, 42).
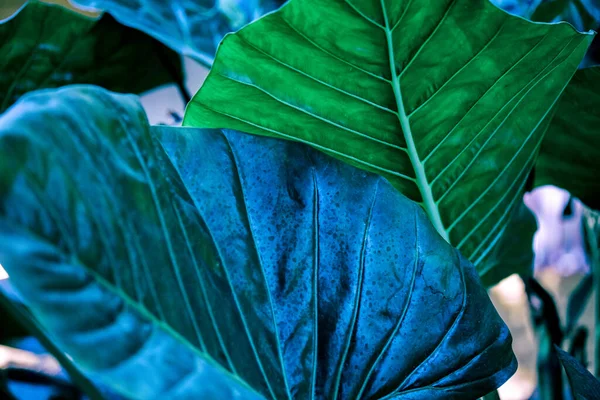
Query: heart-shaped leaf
point(191, 27)
point(569, 156)
point(179, 268)
point(443, 98)
point(47, 46)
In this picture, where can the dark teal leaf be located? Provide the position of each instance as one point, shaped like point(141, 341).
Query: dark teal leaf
point(47, 46)
point(583, 384)
point(155, 261)
point(578, 345)
point(191, 27)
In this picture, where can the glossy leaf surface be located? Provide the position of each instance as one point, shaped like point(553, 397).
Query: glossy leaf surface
point(191, 27)
point(584, 385)
point(443, 98)
point(47, 46)
point(295, 272)
point(569, 156)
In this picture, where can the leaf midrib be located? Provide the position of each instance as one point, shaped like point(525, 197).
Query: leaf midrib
point(423, 185)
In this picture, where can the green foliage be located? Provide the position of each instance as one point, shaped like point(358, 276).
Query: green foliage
point(171, 264)
point(569, 154)
point(47, 46)
point(208, 263)
point(444, 100)
point(191, 27)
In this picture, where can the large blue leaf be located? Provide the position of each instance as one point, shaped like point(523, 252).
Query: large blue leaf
point(186, 263)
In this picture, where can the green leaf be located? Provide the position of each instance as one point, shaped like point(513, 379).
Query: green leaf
point(569, 153)
point(47, 46)
point(191, 27)
point(584, 385)
point(513, 251)
point(442, 98)
point(160, 265)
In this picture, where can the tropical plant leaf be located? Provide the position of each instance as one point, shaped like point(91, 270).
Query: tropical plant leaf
point(513, 252)
point(442, 98)
point(584, 385)
point(569, 154)
point(191, 27)
point(47, 46)
point(295, 272)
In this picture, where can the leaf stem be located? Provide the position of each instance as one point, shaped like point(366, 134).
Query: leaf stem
point(428, 202)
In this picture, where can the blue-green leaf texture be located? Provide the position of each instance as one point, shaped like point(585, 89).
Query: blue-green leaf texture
point(179, 263)
point(191, 27)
